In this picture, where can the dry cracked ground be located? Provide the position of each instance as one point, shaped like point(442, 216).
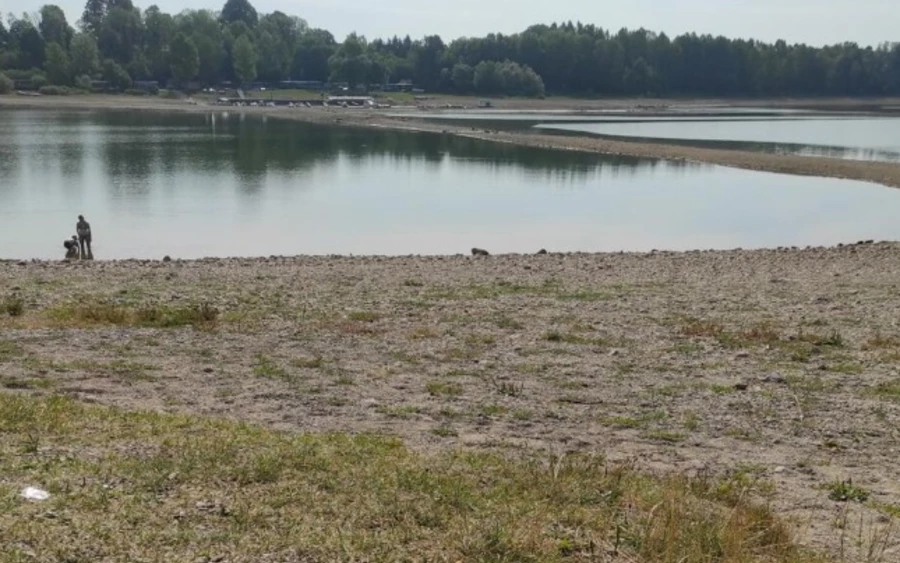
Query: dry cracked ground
point(780, 364)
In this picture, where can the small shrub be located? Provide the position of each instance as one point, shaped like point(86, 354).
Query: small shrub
point(38, 80)
point(844, 491)
point(14, 306)
point(84, 82)
point(6, 84)
point(52, 90)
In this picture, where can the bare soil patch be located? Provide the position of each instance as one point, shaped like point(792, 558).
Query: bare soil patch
point(779, 364)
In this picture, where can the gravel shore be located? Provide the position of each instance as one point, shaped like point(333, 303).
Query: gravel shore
point(781, 364)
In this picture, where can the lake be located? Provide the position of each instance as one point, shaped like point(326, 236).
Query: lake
point(783, 131)
point(215, 184)
point(876, 138)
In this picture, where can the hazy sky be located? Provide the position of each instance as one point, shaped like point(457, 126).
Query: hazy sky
point(808, 21)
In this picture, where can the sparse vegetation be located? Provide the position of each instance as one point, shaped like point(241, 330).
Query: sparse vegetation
point(364, 316)
point(443, 389)
point(85, 314)
point(844, 491)
point(266, 367)
point(13, 306)
point(228, 476)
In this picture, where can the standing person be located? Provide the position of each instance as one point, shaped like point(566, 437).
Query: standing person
point(83, 228)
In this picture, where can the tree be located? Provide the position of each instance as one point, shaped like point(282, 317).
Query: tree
point(59, 71)
point(121, 34)
point(26, 40)
point(239, 10)
point(53, 27)
point(273, 57)
point(38, 80)
point(184, 59)
point(205, 31)
point(244, 61)
point(159, 29)
point(314, 49)
point(463, 77)
point(84, 82)
point(85, 57)
point(487, 78)
point(350, 62)
point(4, 36)
point(116, 76)
point(6, 84)
point(92, 17)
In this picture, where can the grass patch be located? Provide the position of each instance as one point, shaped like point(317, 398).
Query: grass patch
point(845, 491)
point(889, 390)
point(25, 383)
point(558, 337)
point(265, 367)
point(13, 306)
point(443, 389)
point(633, 422)
point(9, 351)
point(198, 488)
point(308, 363)
point(508, 323)
point(445, 431)
point(76, 315)
point(664, 436)
point(405, 412)
point(364, 316)
point(118, 369)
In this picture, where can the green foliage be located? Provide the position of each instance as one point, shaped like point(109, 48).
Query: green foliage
point(38, 80)
point(240, 10)
point(85, 57)
point(843, 491)
point(244, 60)
point(6, 84)
point(116, 76)
point(560, 58)
point(53, 27)
point(59, 71)
point(83, 82)
point(53, 90)
point(185, 60)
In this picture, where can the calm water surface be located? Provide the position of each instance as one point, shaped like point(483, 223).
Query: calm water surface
point(853, 138)
point(211, 185)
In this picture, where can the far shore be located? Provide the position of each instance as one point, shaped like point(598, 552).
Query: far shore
point(884, 173)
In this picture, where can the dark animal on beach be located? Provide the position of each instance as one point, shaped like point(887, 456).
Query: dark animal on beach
point(480, 252)
point(542, 251)
point(71, 246)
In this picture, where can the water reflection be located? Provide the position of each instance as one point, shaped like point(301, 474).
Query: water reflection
point(847, 138)
point(220, 184)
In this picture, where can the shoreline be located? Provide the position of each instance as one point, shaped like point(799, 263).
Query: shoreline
point(883, 173)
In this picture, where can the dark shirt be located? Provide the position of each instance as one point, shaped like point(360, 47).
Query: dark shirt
point(83, 228)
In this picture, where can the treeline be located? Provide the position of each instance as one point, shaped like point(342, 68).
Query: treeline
point(118, 43)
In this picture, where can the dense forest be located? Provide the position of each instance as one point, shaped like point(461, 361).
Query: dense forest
point(117, 43)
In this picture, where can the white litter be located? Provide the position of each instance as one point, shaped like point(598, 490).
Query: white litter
point(32, 493)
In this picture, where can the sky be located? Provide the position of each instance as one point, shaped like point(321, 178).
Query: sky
point(815, 22)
